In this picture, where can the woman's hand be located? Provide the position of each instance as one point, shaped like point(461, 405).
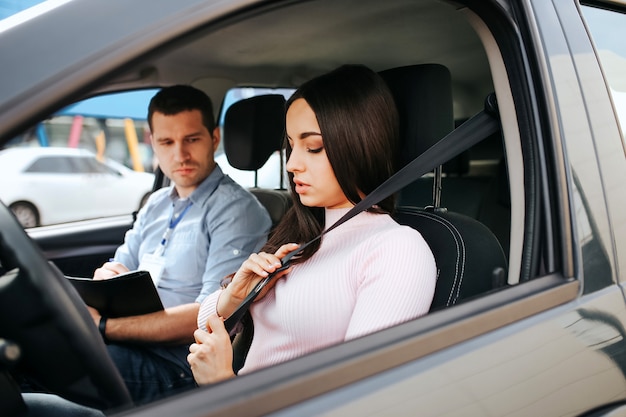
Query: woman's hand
point(211, 357)
point(252, 271)
point(109, 270)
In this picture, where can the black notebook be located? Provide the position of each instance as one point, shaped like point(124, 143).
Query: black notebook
point(124, 295)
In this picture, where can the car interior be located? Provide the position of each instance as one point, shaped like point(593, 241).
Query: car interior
point(253, 129)
point(479, 211)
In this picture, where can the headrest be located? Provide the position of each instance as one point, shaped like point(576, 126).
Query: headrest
point(253, 129)
point(423, 96)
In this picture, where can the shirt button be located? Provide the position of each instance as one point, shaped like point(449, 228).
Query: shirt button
point(236, 252)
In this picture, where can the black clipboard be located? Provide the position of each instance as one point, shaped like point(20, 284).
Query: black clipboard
point(128, 294)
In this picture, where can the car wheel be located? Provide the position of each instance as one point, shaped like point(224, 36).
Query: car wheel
point(61, 350)
point(26, 214)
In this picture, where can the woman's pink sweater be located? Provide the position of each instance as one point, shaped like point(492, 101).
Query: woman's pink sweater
point(369, 273)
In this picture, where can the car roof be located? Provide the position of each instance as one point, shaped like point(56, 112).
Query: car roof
point(17, 158)
point(35, 151)
point(114, 55)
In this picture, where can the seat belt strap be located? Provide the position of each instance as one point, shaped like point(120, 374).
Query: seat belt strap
point(465, 136)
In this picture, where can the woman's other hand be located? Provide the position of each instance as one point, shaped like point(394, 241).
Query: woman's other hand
point(211, 357)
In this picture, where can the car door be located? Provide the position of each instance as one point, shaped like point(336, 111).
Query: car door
point(84, 198)
point(111, 192)
point(55, 182)
point(552, 343)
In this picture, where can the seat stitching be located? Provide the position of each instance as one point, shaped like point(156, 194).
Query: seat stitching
point(460, 254)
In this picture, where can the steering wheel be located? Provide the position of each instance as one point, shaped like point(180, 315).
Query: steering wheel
point(62, 351)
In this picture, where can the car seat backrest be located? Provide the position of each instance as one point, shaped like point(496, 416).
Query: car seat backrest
point(253, 130)
point(469, 258)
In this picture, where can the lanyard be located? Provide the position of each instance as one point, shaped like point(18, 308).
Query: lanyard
point(174, 220)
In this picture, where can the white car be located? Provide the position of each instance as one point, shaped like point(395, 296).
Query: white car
point(44, 186)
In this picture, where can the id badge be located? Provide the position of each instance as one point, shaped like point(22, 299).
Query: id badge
point(154, 264)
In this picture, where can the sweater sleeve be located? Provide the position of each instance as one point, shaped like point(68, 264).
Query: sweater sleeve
point(397, 285)
point(208, 307)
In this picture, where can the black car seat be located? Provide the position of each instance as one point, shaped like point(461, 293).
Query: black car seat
point(469, 258)
point(253, 130)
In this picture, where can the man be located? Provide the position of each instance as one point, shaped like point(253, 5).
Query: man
point(188, 236)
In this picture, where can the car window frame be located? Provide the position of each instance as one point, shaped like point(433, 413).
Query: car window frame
point(609, 140)
point(475, 317)
point(574, 132)
point(314, 374)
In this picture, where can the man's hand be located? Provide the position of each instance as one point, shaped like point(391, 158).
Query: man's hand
point(109, 270)
point(211, 357)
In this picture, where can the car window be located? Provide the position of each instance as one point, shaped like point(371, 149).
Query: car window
point(79, 143)
point(50, 165)
point(80, 165)
point(608, 28)
point(94, 167)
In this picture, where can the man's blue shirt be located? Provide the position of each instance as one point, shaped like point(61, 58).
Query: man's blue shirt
point(221, 228)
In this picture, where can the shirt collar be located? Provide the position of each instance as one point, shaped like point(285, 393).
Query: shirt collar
point(204, 190)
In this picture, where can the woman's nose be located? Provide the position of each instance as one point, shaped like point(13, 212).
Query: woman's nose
point(294, 162)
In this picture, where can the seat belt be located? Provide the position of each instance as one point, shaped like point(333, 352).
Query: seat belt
point(468, 134)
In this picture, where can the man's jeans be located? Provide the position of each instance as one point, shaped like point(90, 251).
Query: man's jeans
point(149, 376)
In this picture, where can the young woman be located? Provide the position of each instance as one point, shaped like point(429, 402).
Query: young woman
point(368, 274)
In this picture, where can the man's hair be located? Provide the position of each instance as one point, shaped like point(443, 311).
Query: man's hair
point(178, 98)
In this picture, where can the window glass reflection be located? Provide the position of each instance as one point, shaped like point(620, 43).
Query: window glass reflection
point(608, 29)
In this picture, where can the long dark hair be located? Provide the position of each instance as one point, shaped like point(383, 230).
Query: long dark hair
point(359, 125)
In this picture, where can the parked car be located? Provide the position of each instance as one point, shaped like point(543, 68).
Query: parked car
point(44, 186)
point(542, 334)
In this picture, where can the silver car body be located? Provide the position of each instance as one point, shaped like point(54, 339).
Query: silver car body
point(553, 345)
